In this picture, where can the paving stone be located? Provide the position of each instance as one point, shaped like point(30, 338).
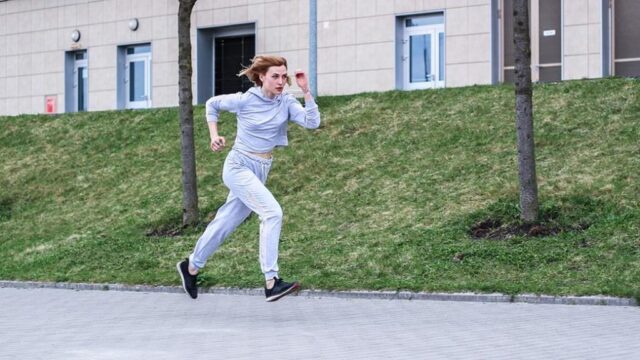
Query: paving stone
point(46, 323)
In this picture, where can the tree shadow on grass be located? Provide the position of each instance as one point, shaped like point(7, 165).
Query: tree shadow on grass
point(170, 225)
point(6, 208)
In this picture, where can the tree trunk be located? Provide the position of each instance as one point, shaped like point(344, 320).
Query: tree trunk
point(524, 112)
point(189, 179)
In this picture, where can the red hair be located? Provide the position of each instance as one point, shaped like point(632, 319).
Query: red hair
point(260, 64)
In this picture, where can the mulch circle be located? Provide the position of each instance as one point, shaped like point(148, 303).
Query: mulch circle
point(169, 232)
point(495, 230)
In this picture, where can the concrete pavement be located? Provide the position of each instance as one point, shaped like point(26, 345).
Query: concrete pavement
point(66, 324)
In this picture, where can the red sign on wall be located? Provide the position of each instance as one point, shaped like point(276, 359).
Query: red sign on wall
point(50, 104)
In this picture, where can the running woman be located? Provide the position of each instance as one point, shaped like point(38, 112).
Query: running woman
point(263, 113)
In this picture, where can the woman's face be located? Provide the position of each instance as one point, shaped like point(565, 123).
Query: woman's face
point(274, 80)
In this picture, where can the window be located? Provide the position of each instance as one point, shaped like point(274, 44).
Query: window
point(422, 51)
point(134, 73)
point(546, 42)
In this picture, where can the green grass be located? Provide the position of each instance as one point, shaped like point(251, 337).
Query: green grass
point(382, 196)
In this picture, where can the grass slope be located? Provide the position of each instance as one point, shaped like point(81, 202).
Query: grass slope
point(382, 196)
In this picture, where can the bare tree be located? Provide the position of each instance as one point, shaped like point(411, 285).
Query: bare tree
point(524, 112)
point(189, 178)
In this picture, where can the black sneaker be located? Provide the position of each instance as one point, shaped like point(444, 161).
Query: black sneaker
point(189, 282)
point(280, 289)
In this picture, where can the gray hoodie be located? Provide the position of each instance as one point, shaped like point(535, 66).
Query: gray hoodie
point(262, 122)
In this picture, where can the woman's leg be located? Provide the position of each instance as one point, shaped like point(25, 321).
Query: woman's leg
point(247, 183)
point(228, 218)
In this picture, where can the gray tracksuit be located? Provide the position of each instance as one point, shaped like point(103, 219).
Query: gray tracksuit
point(262, 126)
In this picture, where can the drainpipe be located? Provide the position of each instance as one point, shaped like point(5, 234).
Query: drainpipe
point(313, 46)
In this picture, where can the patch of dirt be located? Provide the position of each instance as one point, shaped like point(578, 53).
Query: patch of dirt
point(493, 229)
point(164, 232)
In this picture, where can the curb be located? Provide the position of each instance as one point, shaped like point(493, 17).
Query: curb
point(354, 294)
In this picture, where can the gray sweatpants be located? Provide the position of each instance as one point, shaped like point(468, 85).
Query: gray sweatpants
point(245, 175)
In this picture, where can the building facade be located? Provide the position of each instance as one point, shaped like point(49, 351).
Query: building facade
point(88, 55)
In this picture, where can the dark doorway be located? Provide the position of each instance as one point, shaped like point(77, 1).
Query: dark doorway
point(231, 54)
point(626, 32)
point(206, 40)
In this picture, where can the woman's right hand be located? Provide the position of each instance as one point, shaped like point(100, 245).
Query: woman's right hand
point(217, 143)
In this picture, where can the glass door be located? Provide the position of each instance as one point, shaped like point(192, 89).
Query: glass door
point(80, 81)
point(138, 77)
point(423, 52)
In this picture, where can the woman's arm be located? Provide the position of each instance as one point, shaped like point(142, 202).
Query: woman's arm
point(217, 142)
point(216, 104)
point(309, 115)
point(213, 108)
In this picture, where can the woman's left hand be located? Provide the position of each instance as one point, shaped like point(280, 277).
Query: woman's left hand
point(302, 81)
